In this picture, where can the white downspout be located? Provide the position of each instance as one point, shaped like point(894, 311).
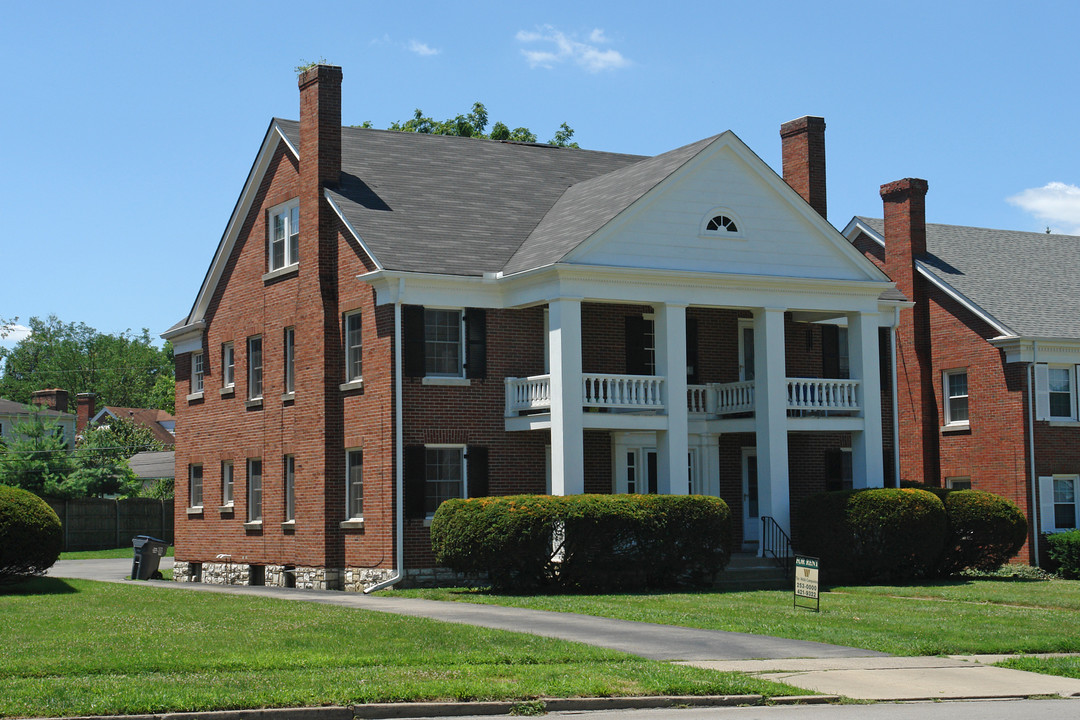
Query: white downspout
point(1036, 524)
point(399, 460)
point(895, 402)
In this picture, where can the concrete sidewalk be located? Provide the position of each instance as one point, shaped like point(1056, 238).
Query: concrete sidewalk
point(822, 668)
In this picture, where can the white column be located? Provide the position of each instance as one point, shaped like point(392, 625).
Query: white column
point(867, 463)
point(567, 443)
point(672, 444)
point(770, 415)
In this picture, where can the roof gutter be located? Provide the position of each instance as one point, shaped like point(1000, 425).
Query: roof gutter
point(1029, 376)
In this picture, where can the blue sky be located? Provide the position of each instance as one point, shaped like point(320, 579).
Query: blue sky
point(129, 128)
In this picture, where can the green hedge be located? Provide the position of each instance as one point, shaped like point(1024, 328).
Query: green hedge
point(526, 542)
point(984, 531)
point(876, 535)
point(1064, 550)
point(30, 535)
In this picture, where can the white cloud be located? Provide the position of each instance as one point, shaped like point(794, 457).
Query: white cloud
point(422, 49)
point(565, 48)
point(1055, 203)
point(10, 335)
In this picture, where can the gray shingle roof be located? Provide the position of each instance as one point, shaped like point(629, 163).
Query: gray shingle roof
point(1025, 280)
point(459, 206)
point(10, 407)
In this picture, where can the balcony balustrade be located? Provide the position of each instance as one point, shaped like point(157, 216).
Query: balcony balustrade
point(646, 392)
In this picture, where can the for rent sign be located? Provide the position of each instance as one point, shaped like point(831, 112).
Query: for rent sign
point(806, 580)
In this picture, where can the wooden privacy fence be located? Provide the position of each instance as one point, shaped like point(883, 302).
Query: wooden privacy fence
point(99, 524)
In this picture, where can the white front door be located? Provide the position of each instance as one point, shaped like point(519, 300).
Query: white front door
point(751, 522)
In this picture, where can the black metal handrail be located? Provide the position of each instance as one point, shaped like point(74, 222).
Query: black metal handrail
point(775, 543)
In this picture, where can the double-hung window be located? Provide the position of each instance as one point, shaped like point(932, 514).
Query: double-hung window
point(196, 372)
point(284, 235)
point(255, 368)
point(354, 479)
point(289, 473)
point(955, 385)
point(1059, 502)
point(195, 486)
point(445, 474)
point(254, 490)
point(1055, 392)
point(227, 483)
point(228, 365)
point(354, 347)
point(290, 360)
point(443, 342)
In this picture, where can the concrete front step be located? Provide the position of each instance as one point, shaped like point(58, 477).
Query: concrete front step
point(746, 571)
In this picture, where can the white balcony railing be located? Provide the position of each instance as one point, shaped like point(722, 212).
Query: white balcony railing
point(527, 393)
point(818, 394)
point(630, 392)
point(645, 392)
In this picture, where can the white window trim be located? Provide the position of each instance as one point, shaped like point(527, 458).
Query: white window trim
point(946, 397)
point(251, 519)
point(288, 340)
point(436, 378)
point(262, 375)
point(704, 232)
point(464, 471)
point(951, 481)
point(228, 369)
point(198, 376)
point(1047, 519)
point(228, 505)
point(288, 481)
point(289, 262)
point(193, 507)
point(350, 379)
point(352, 519)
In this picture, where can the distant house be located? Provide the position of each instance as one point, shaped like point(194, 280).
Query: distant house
point(152, 466)
point(988, 360)
point(394, 319)
point(160, 422)
point(54, 403)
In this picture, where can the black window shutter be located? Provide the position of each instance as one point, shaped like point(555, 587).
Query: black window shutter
point(476, 339)
point(413, 316)
point(476, 463)
point(830, 351)
point(635, 345)
point(692, 351)
point(885, 357)
point(834, 469)
point(415, 482)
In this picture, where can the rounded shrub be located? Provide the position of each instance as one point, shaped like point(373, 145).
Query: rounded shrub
point(1064, 550)
point(610, 542)
point(984, 531)
point(30, 535)
point(875, 535)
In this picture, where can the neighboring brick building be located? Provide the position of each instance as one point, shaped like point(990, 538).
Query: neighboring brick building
point(990, 324)
point(392, 319)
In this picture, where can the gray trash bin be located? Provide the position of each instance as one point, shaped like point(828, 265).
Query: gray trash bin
point(148, 554)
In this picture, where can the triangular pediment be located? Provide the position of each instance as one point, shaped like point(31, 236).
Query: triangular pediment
point(763, 227)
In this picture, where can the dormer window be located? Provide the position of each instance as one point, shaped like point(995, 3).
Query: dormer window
point(722, 223)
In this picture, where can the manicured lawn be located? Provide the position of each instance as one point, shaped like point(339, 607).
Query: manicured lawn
point(71, 647)
point(962, 616)
point(1063, 666)
point(124, 552)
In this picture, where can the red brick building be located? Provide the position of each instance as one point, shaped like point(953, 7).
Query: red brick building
point(394, 319)
point(987, 358)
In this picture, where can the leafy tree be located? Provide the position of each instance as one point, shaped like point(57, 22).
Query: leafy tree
point(100, 459)
point(473, 124)
point(35, 456)
point(119, 369)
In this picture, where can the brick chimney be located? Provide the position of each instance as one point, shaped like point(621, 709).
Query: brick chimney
point(319, 360)
point(54, 399)
point(84, 410)
point(905, 230)
point(803, 145)
point(905, 242)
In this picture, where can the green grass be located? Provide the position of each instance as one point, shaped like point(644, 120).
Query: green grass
point(124, 552)
point(73, 647)
point(1063, 666)
point(955, 617)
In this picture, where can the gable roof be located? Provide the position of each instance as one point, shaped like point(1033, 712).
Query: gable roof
point(451, 205)
point(1023, 281)
point(11, 407)
point(153, 465)
point(151, 418)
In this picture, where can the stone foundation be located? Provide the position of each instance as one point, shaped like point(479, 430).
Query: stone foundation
point(306, 578)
